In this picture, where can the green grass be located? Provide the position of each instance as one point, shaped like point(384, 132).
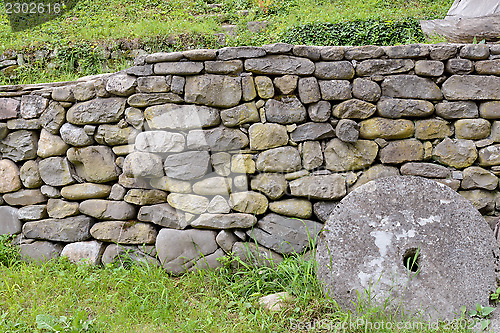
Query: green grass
point(78, 40)
point(62, 297)
point(105, 20)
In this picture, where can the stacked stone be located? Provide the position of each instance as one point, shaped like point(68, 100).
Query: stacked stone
point(192, 155)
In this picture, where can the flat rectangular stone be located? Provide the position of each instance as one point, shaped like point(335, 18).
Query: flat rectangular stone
point(178, 68)
point(472, 87)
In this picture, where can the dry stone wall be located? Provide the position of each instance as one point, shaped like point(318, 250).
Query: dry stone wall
point(191, 155)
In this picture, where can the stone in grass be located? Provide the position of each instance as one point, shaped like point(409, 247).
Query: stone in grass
point(178, 250)
point(255, 255)
point(285, 235)
point(447, 237)
point(40, 251)
point(275, 302)
point(89, 252)
point(226, 239)
point(122, 254)
point(9, 221)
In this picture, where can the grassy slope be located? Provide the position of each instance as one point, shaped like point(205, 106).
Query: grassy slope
point(113, 19)
point(145, 299)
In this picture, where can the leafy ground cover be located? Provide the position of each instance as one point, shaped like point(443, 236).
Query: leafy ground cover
point(99, 20)
point(90, 38)
point(59, 296)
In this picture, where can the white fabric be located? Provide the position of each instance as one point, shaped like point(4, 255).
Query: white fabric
point(474, 8)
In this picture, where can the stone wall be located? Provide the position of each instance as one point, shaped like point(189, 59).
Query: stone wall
point(194, 154)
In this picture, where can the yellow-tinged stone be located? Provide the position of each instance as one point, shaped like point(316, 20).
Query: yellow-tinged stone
point(265, 87)
point(472, 129)
point(85, 191)
point(242, 163)
point(427, 150)
point(171, 185)
point(194, 204)
point(386, 128)
point(292, 207)
point(214, 186)
point(456, 153)
point(341, 156)
point(248, 202)
point(265, 136)
point(402, 151)
point(430, 129)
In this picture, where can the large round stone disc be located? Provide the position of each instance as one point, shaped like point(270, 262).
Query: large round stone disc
point(409, 240)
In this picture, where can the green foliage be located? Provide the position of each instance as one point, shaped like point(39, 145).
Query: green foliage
point(77, 323)
point(480, 314)
point(9, 254)
point(369, 32)
point(495, 296)
point(294, 274)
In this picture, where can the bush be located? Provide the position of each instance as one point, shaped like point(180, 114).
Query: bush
point(369, 32)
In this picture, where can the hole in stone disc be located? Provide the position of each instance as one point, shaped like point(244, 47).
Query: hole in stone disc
point(411, 259)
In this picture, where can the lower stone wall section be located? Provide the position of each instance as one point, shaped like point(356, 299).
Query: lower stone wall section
point(192, 155)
